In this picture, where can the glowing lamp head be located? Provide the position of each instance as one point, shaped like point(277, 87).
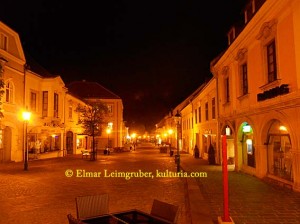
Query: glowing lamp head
point(26, 115)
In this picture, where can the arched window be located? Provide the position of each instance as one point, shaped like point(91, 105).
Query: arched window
point(9, 92)
point(279, 151)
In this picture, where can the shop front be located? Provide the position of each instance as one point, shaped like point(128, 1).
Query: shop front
point(44, 143)
point(279, 154)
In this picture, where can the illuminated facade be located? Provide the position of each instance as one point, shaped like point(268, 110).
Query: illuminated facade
point(258, 85)
point(199, 119)
point(253, 97)
point(53, 130)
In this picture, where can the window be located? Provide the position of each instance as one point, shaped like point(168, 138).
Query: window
point(45, 104)
point(271, 60)
point(227, 96)
point(33, 101)
point(279, 153)
point(110, 125)
point(213, 108)
point(244, 79)
point(70, 112)
point(9, 90)
point(199, 114)
point(109, 109)
point(4, 42)
point(196, 117)
point(206, 111)
point(55, 105)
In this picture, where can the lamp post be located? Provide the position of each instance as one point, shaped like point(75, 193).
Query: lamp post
point(108, 131)
point(177, 119)
point(134, 140)
point(26, 117)
point(106, 151)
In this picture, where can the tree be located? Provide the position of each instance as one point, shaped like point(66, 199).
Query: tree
point(92, 118)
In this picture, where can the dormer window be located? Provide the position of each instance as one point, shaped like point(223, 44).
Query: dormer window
point(252, 8)
point(249, 11)
point(231, 35)
point(3, 41)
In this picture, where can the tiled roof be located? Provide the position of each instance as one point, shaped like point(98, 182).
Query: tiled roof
point(88, 90)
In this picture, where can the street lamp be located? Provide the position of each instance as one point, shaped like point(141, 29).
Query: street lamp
point(108, 131)
point(26, 117)
point(177, 119)
point(106, 151)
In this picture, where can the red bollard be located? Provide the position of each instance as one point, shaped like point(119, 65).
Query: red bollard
point(226, 217)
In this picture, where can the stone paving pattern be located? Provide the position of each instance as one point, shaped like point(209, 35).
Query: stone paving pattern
point(44, 194)
point(251, 200)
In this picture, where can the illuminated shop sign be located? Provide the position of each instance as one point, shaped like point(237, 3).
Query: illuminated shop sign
point(271, 93)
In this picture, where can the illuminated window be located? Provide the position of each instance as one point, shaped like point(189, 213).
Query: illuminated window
point(279, 153)
point(110, 125)
point(9, 92)
point(196, 117)
point(110, 108)
point(79, 143)
point(45, 104)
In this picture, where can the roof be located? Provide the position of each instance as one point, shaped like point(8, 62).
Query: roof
point(87, 90)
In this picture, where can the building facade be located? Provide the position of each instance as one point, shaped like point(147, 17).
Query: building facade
point(258, 80)
point(253, 97)
point(114, 132)
point(53, 129)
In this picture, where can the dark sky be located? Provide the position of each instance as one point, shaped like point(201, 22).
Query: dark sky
point(153, 54)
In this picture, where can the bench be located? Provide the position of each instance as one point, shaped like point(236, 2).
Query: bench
point(85, 153)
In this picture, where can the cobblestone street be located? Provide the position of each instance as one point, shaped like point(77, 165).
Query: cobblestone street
point(251, 200)
point(45, 195)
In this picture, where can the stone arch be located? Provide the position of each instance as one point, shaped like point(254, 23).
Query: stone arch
point(278, 139)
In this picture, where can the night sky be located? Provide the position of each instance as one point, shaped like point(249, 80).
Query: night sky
point(153, 54)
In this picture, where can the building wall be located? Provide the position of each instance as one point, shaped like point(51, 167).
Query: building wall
point(187, 128)
point(48, 135)
point(12, 74)
point(263, 150)
point(205, 126)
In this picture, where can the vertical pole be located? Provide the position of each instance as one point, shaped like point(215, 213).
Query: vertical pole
point(225, 180)
point(107, 141)
point(26, 149)
point(178, 155)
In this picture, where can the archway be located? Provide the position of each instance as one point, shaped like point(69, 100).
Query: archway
point(246, 145)
point(279, 155)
